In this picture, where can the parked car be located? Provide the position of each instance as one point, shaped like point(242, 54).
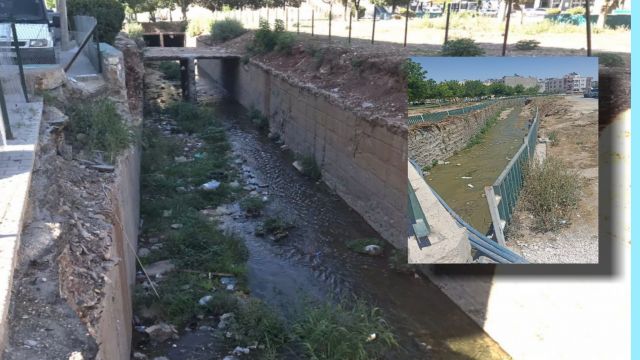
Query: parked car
point(33, 29)
point(591, 93)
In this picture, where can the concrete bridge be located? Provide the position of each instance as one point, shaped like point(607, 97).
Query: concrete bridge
point(187, 57)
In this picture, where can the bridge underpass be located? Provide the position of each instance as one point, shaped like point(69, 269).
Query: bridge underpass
point(187, 57)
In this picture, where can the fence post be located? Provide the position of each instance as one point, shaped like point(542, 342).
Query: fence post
point(5, 115)
point(495, 214)
point(95, 33)
point(406, 22)
point(506, 29)
point(373, 32)
point(313, 18)
point(330, 16)
point(298, 30)
point(350, 19)
point(446, 27)
point(587, 14)
point(19, 58)
point(286, 18)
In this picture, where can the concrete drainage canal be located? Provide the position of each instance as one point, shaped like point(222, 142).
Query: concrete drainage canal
point(245, 256)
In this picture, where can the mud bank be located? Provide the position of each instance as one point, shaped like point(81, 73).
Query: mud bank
point(362, 157)
point(73, 285)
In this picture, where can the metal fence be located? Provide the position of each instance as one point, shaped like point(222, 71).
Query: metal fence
point(502, 196)
point(86, 42)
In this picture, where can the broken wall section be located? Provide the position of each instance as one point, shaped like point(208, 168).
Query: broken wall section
point(362, 157)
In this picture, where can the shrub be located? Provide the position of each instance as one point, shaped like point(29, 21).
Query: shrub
point(257, 323)
point(527, 44)
point(310, 168)
point(134, 30)
point(553, 137)
point(97, 126)
point(199, 26)
point(347, 330)
point(284, 43)
point(170, 70)
point(550, 193)
point(109, 13)
point(461, 47)
point(226, 30)
point(252, 205)
point(576, 11)
point(267, 40)
point(610, 60)
point(553, 11)
point(259, 120)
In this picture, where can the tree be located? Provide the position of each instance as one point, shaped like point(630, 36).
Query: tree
point(518, 89)
point(474, 89)
point(605, 7)
point(184, 6)
point(415, 81)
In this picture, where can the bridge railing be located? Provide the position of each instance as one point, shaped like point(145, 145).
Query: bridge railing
point(503, 194)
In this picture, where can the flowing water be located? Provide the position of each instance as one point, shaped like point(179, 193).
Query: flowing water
point(314, 263)
point(461, 182)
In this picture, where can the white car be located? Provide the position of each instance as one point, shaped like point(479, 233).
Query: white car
point(35, 39)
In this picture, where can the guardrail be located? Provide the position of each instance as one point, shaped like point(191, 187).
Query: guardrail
point(439, 116)
point(503, 194)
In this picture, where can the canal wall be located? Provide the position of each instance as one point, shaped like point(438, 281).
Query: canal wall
point(362, 158)
point(433, 141)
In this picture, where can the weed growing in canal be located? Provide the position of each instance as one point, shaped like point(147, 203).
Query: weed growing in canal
point(227, 29)
point(550, 193)
point(275, 227)
point(191, 118)
point(259, 120)
point(252, 205)
point(399, 261)
point(170, 70)
point(310, 168)
point(346, 330)
point(256, 322)
point(479, 137)
point(97, 126)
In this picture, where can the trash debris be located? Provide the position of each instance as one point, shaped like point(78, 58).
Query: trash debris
point(470, 186)
point(298, 165)
point(211, 185)
point(466, 177)
point(373, 250)
point(205, 300)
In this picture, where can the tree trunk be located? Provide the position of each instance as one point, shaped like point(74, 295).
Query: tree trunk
point(64, 24)
point(184, 8)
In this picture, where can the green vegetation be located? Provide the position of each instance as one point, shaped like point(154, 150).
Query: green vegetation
point(97, 126)
point(553, 137)
point(274, 226)
point(134, 30)
point(267, 40)
point(579, 10)
point(525, 45)
point(192, 118)
point(310, 168)
point(199, 25)
point(261, 121)
point(227, 29)
point(399, 261)
point(421, 89)
point(553, 11)
point(461, 47)
point(479, 137)
point(358, 245)
point(252, 205)
point(170, 70)
point(551, 193)
point(109, 13)
point(346, 330)
point(610, 60)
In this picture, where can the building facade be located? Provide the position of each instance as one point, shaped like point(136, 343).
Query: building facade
point(527, 82)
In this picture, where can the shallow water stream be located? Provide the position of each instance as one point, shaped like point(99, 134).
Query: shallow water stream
point(314, 263)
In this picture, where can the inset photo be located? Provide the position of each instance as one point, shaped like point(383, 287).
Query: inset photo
point(503, 160)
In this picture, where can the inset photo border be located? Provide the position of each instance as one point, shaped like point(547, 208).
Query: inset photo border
point(503, 160)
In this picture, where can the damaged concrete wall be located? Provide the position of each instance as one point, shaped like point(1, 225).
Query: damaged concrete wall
point(431, 141)
point(363, 159)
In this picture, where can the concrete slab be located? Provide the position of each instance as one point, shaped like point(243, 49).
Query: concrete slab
point(16, 164)
point(176, 53)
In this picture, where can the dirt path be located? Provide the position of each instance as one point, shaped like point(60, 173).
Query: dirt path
point(574, 121)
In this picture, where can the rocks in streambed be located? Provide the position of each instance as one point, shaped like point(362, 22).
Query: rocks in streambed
point(225, 320)
point(239, 350)
point(161, 332)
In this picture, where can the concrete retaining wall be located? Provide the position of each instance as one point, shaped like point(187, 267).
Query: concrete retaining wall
point(362, 159)
point(440, 140)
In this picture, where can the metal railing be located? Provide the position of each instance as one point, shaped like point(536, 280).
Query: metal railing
point(503, 194)
point(419, 224)
point(86, 38)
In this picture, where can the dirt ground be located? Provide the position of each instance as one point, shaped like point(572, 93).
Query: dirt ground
point(575, 121)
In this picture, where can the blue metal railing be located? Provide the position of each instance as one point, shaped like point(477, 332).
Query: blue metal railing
point(502, 196)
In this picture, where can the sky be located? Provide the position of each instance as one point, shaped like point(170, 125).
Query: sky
point(483, 68)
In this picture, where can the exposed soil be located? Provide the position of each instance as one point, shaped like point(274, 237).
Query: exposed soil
point(574, 120)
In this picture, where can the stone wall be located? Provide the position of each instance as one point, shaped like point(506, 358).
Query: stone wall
point(439, 140)
point(363, 159)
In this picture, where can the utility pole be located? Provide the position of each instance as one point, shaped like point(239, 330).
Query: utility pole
point(64, 24)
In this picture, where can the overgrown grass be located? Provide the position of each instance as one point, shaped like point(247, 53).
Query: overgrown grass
point(97, 126)
point(346, 330)
point(170, 70)
point(192, 118)
point(310, 168)
point(259, 120)
point(551, 193)
point(227, 29)
point(252, 205)
point(525, 45)
point(479, 137)
point(553, 137)
point(134, 30)
point(461, 47)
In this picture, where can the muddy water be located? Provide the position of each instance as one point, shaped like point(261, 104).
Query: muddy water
point(461, 182)
point(314, 263)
